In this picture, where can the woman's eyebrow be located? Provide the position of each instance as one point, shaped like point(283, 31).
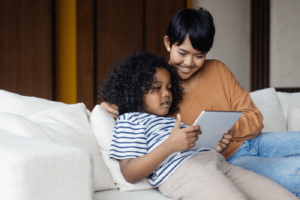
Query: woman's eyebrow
point(188, 52)
point(183, 50)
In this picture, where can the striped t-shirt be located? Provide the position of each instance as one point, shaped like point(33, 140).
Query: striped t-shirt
point(137, 134)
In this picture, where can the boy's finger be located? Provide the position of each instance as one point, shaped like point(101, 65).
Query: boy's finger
point(192, 128)
point(194, 139)
point(194, 133)
point(178, 122)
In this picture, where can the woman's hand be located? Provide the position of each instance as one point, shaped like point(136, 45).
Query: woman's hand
point(182, 139)
point(223, 144)
point(111, 109)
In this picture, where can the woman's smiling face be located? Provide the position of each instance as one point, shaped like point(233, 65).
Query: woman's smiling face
point(187, 59)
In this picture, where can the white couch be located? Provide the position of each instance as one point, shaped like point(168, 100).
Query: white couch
point(51, 150)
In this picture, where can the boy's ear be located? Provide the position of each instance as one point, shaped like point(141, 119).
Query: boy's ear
point(167, 42)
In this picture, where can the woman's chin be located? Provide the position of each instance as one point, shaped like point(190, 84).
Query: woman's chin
point(184, 76)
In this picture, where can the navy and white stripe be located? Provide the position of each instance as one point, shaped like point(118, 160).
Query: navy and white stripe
point(137, 134)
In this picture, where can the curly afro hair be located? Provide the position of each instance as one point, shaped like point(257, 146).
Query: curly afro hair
point(132, 77)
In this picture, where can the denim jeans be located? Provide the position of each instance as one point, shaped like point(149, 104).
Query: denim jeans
point(275, 155)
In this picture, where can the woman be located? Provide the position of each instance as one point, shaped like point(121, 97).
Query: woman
point(210, 85)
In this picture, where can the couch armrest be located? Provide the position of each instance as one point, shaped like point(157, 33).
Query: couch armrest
point(36, 169)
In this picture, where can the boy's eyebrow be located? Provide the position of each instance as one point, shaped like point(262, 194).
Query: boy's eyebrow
point(188, 52)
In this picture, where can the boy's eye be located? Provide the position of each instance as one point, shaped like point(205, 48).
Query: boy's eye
point(199, 56)
point(169, 88)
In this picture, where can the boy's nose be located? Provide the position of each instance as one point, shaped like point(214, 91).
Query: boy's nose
point(166, 93)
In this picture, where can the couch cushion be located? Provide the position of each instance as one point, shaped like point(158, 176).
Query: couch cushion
point(23, 105)
point(152, 194)
point(103, 127)
point(293, 118)
point(286, 99)
point(34, 169)
point(268, 104)
point(68, 124)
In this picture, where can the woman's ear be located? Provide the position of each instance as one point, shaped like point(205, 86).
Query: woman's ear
point(167, 43)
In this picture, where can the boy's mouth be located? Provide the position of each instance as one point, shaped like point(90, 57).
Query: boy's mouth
point(166, 103)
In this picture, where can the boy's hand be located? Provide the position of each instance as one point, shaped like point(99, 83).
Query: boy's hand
point(182, 139)
point(225, 141)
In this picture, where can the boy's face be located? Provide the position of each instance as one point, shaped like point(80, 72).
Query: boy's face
point(159, 100)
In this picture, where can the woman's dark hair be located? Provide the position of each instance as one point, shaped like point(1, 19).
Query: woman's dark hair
point(132, 77)
point(197, 24)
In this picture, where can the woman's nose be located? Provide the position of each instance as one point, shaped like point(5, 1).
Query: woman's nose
point(188, 61)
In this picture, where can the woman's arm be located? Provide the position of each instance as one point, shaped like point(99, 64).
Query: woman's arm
point(135, 169)
point(249, 125)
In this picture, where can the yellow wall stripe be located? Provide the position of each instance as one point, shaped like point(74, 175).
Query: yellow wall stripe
point(189, 4)
point(66, 81)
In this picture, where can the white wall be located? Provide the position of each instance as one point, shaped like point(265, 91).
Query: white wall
point(285, 43)
point(232, 39)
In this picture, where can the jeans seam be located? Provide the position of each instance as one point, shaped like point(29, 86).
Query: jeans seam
point(297, 154)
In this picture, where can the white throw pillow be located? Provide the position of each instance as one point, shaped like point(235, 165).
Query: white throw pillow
point(286, 99)
point(267, 102)
point(115, 171)
point(293, 118)
point(103, 127)
point(23, 105)
point(67, 124)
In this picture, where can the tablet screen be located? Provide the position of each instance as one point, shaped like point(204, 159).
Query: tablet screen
point(213, 125)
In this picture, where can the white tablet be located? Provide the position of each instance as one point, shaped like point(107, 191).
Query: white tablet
point(213, 125)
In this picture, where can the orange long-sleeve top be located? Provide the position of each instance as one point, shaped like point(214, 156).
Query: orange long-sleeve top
point(218, 89)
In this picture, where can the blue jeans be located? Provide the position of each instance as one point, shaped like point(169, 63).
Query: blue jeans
point(275, 155)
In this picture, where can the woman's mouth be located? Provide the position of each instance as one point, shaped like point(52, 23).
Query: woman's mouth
point(185, 69)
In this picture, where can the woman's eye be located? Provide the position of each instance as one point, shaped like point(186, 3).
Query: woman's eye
point(199, 56)
point(183, 54)
point(169, 88)
point(156, 88)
